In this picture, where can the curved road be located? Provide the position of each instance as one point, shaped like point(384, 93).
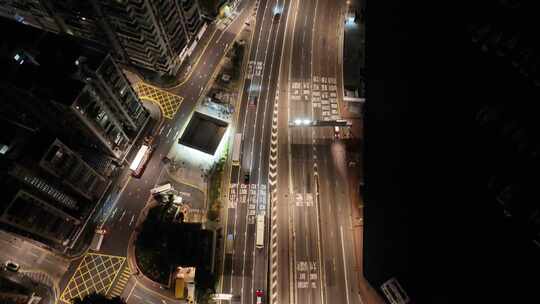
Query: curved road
point(135, 193)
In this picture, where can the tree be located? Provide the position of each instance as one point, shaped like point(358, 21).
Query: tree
point(95, 298)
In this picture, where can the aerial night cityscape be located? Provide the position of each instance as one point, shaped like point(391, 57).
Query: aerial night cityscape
point(269, 151)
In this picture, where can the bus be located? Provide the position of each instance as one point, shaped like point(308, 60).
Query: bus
point(161, 189)
point(139, 162)
point(98, 239)
point(229, 243)
point(260, 231)
point(179, 288)
point(237, 147)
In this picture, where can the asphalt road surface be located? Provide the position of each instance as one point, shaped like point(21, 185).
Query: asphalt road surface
point(245, 269)
point(314, 235)
point(134, 196)
point(32, 257)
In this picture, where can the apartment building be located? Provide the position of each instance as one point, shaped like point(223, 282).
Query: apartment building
point(68, 119)
point(148, 35)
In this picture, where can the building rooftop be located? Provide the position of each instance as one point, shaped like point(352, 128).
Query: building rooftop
point(43, 63)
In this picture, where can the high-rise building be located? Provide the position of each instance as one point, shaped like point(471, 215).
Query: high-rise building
point(152, 35)
point(68, 118)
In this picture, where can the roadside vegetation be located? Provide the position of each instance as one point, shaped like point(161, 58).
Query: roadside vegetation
point(164, 244)
point(214, 189)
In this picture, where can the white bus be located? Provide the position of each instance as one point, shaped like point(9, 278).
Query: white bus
point(260, 231)
point(98, 239)
point(237, 148)
point(139, 162)
point(161, 189)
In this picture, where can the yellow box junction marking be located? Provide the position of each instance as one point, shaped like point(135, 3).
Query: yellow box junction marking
point(121, 283)
point(95, 273)
point(169, 103)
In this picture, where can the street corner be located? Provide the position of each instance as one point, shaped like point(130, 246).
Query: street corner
point(188, 198)
point(168, 103)
point(96, 273)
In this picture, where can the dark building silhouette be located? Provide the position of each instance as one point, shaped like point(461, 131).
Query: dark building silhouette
point(152, 35)
point(68, 119)
point(451, 150)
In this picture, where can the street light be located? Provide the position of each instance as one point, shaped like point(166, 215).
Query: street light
point(297, 122)
point(306, 122)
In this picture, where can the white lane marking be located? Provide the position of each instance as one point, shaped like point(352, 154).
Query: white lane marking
point(167, 135)
point(114, 212)
point(176, 134)
point(132, 219)
point(344, 268)
point(136, 296)
point(252, 144)
point(161, 130)
point(122, 216)
point(33, 254)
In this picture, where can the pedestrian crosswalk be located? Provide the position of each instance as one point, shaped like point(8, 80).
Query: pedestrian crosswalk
point(121, 282)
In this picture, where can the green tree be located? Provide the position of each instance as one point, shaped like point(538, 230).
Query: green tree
point(95, 298)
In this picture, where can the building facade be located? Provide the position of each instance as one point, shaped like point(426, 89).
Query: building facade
point(68, 119)
point(152, 35)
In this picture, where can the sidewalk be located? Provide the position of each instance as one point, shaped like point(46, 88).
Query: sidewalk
point(368, 294)
point(186, 171)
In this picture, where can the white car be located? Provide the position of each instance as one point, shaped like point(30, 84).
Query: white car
point(336, 132)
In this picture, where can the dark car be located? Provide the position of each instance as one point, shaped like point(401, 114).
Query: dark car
point(276, 17)
point(246, 178)
point(253, 100)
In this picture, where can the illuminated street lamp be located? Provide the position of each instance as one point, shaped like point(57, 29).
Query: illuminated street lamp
point(306, 122)
point(297, 122)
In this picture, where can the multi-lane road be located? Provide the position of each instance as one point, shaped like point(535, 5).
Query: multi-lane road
point(245, 268)
point(315, 256)
point(295, 60)
point(134, 195)
point(295, 177)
